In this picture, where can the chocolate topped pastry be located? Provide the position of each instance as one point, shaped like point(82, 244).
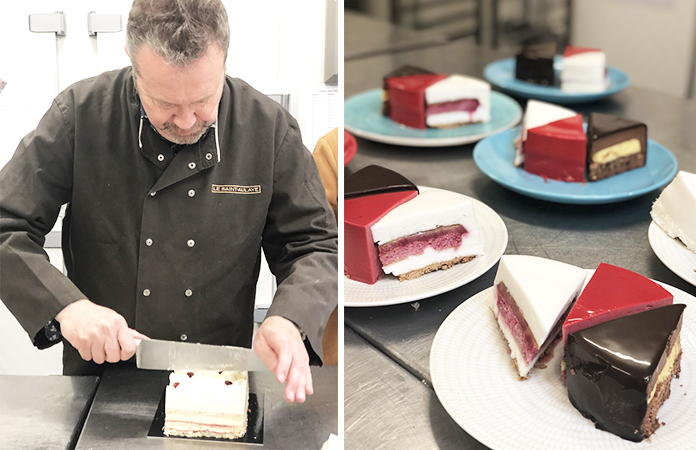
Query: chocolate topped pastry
point(619, 372)
point(614, 145)
point(534, 64)
point(403, 71)
point(375, 180)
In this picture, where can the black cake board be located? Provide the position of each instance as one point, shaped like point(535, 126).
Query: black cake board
point(254, 434)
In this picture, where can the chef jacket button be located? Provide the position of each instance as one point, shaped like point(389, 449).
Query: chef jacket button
point(188, 292)
point(192, 165)
point(146, 292)
point(160, 157)
point(183, 337)
point(191, 243)
point(152, 194)
point(148, 242)
point(191, 193)
point(208, 156)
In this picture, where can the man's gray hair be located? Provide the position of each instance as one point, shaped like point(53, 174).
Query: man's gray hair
point(179, 31)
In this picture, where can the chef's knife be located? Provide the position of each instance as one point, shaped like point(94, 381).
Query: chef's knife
point(155, 354)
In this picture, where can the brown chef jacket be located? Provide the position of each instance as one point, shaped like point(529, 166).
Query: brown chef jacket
point(168, 236)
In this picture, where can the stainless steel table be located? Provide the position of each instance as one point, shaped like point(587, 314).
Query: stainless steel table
point(43, 411)
point(584, 235)
point(127, 400)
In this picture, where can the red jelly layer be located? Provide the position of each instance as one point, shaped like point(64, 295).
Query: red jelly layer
point(571, 50)
point(557, 150)
point(360, 252)
point(415, 244)
point(511, 315)
point(466, 105)
point(613, 292)
point(407, 98)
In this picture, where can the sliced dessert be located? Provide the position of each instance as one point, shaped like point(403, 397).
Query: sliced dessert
point(433, 231)
point(552, 143)
point(584, 70)
point(674, 211)
point(457, 100)
point(534, 64)
point(206, 404)
point(613, 292)
point(614, 145)
point(532, 296)
point(402, 71)
point(407, 98)
point(619, 372)
point(370, 193)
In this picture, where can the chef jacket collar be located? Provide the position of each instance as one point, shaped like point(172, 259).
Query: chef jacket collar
point(143, 117)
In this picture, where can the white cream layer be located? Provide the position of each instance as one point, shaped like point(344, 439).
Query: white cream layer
point(584, 72)
point(674, 211)
point(454, 88)
point(542, 288)
point(207, 397)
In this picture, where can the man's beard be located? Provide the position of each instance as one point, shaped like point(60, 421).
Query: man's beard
point(172, 133)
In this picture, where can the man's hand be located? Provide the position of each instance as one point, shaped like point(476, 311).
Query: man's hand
point(98, 333)
point(279, 344)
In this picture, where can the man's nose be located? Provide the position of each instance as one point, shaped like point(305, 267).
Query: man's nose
point(185, 119)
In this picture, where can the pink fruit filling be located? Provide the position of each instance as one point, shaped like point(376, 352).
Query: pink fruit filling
point(439, 239)
point(467, 105)
point(513, 318)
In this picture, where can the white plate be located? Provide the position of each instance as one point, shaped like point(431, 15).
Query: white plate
point(673, 254)
point(477, 384)
point(390, 291)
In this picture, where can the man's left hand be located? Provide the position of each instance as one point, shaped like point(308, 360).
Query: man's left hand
point(279, 344)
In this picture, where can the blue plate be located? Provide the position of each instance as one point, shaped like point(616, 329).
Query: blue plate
point(494, 156)
point(502, 74)
point(363, 117)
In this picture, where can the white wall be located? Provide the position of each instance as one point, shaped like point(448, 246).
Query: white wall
point(651, 40)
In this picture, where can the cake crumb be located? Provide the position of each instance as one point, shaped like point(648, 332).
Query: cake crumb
point(415, 305)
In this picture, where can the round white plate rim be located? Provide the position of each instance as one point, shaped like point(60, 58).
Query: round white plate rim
point(546, 93)
point(490, 260)
point(436, 142)
point(664, 248)
point(457, 318)
point(567, 198)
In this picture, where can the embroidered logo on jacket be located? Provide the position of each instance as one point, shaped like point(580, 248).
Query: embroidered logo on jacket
point(236, 189)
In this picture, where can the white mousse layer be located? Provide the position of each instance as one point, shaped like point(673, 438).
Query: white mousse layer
point(584, 72)
point(429, 210)
point(208, 403)
point(454, 88)
point(674, 211)
point(543, 290)
point(539, 114)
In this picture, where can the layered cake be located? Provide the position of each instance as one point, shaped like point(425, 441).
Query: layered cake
point(433, 231)
point(619, 372)
point(403, 71)
point(369, 195)
point(435, 100)
point(674, 211)
point(532, 296)
point(584, 70)
point(613, 292)
point(614, 145)
point(553, 143)
point(534, 64)
point(206, 404)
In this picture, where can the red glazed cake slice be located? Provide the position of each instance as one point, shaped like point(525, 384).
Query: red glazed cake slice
point(613, 292)
point(553, 142)
point(407, 98)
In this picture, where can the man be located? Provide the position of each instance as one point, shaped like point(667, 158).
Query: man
point(175, 177)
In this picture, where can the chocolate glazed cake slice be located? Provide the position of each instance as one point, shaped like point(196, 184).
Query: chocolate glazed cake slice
point(614, 145)
point(534, 64)
point(619, 373)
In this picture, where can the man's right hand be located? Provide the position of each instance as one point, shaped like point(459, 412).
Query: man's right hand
point(98, 333)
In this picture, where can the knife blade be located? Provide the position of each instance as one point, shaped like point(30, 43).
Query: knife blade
point(154, 354)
